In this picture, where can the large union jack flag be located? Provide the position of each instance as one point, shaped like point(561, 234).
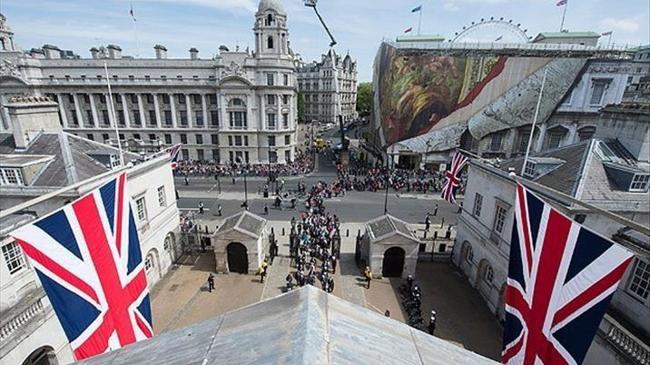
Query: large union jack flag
point(87, 256)
point(452, 177)
point(560, 281)
point(174, 152)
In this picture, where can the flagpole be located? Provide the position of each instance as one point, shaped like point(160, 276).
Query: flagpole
point(566, 5)
point(419, 19)
point(135, 33)
point(609, 39)
point(532, 129)
point(112, 111)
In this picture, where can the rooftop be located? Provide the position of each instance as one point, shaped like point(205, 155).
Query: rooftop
point(305, 326)
point(244, 222)
point(386, 226)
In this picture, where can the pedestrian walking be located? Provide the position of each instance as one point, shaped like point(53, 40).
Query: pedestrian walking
point(368, 274)
point(219, 208)
point(266, 209)
point(201, 207)
point(432, 322)
point(187, 182)
point(387, 313)
point(427, 223)
point(210, 282)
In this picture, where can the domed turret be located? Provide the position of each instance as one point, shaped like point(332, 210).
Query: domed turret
point(275, 5)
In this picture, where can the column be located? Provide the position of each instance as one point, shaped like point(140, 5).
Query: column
point(95, 120)
point(143, 121)
point(77, 109)
point(204, 105)
point(109, 103)
point(190, 111)
point(156, 106)
point(262, 125)
point(125, 110)
point(223, 121)
point(278, 117)
point(64, 116)
point(540, 140)
point(173, 106)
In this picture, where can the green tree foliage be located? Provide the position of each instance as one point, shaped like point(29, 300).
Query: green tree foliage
point(364, 99)
point(301, 107)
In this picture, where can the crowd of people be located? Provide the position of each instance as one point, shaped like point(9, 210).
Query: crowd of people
point(314, 246)
point(302, 164)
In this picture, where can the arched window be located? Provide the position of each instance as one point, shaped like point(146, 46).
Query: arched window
point(237, 102)
point(586, 132)
point(269, 43)
point(269, 19)
point(469, 253)
point(489, 274)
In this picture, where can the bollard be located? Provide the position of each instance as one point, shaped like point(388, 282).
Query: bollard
point(283, 231)
point(443, 222)
point(272, 232)
point(347, 232)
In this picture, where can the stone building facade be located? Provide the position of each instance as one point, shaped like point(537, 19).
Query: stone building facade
point(322, 83)
point(238, 104)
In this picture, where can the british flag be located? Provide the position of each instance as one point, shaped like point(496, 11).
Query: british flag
point(560, 280)
point(87, 256)
point(174, 152)
point(452, 179)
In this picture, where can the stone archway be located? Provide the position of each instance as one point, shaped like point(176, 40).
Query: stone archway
point(171, 248)
point(237, 255)
point(484, 278)
point(393, 263)
point(43, 355)
point(152, 266)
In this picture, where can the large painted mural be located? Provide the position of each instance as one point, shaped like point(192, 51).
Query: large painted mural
point(440, 96)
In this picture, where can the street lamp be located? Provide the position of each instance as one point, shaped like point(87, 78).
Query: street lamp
point(238, 160)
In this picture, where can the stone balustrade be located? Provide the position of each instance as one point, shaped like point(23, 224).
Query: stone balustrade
point(11, 325)
point(625, 342)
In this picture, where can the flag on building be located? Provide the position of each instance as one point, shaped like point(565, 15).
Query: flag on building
point(408, 30)
point(453, 177)
point(499, 38)
point(562, 2)
point(87, 257)
point(416, 9)
point(607, 33)
point(132, 12)
point(174, 152)
point(560, 280)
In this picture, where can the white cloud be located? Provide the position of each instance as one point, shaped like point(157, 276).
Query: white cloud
point(627, 25)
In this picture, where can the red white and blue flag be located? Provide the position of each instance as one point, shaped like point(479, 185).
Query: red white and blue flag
point(560, 280)
point(174, 152)
point(453, 177)
point(562, 2)
point(87, 256)
point(408, 30)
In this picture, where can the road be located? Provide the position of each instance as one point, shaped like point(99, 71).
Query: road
point(354, 207)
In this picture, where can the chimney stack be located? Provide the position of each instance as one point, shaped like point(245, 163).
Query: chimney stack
point(31, 115)
point(194, 53)
point(94, 53)
point(51, 52)
point(161, 52)
point(114, 51)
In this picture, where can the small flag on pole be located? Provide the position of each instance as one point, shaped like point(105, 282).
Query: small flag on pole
point(499, 38)
point(132, 12)
point(452, 181)
point(408, 30)
point(174, 153)
point(606, 33)
point(416, 9)
point(562, 2)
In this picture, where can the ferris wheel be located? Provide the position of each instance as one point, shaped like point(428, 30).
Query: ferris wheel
point(496, 28)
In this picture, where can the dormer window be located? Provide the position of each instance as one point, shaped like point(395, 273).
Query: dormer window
point(11, 176)
point(529, 170)
point(640, 183)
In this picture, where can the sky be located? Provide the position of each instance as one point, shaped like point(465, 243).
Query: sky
point(358, 25)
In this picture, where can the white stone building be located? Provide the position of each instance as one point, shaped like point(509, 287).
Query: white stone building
point(600, 172)
point(39, 158)
point(321, 82)
point(240, 103)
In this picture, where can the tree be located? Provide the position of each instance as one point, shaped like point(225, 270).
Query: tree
point(301, 107)
point(364, 99)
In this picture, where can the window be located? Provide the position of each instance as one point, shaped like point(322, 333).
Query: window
point(270, 99)
point(152, 137)
point(13, 257)
point(598, 91)
point(469, 253)
point(640, 182)
point(141, 209)
point(105, 137)
point(165, 98)
point(184, 138)
point(287, 156)
point(148, 263)
point(271, 141)
point(162, 197)
point(200, 155)
point(246, 141)
point(90, 137)
point(287, 139)
point(168, 139)
point(214, 118)
point(163, 77)
point(183, 115)
point(238, 141)
point(215, 139)
point(285, 121)
point(285, 99)
point(136, 118)
point(230, 141)
point(180, 98)
point(197, 98)
point(495, 143)
point(215, 156)
point(478, 204)
point(269, 43)
point(270, 80)
point(131, 78)
point(136, 135)
point(199, 139)
point(270, 120)
point(150, 98)
point(237, 102)
point(500, 219)
point(639, 285)
point(168, 117)
point(9, 176)
point(529, 170)
point(554, 139)
point(238, 120)
point(185, 153)
point(179, 77)
point(121, 136)
point(147, 78)
point(586, 133)
point(286, 80)
point(489, 274)
point(152, 117)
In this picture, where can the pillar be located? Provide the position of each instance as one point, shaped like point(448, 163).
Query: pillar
point(225, 123)
point(190, 112)
point(173, 106)
point(204, 106)
point(143, 122)
point(109, 103)
point(125, 110)
point(156, 106)
point(95, 120)
point(64, 116)
point(77, 109)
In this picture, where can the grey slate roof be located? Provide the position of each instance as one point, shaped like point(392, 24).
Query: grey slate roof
point(51, 144)
point(245, 222)
point(386, 226)
point(305, 326)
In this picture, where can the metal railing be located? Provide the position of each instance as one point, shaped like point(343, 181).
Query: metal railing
point(625, 342)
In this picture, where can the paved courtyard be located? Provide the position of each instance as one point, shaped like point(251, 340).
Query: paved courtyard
point(181, 298)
